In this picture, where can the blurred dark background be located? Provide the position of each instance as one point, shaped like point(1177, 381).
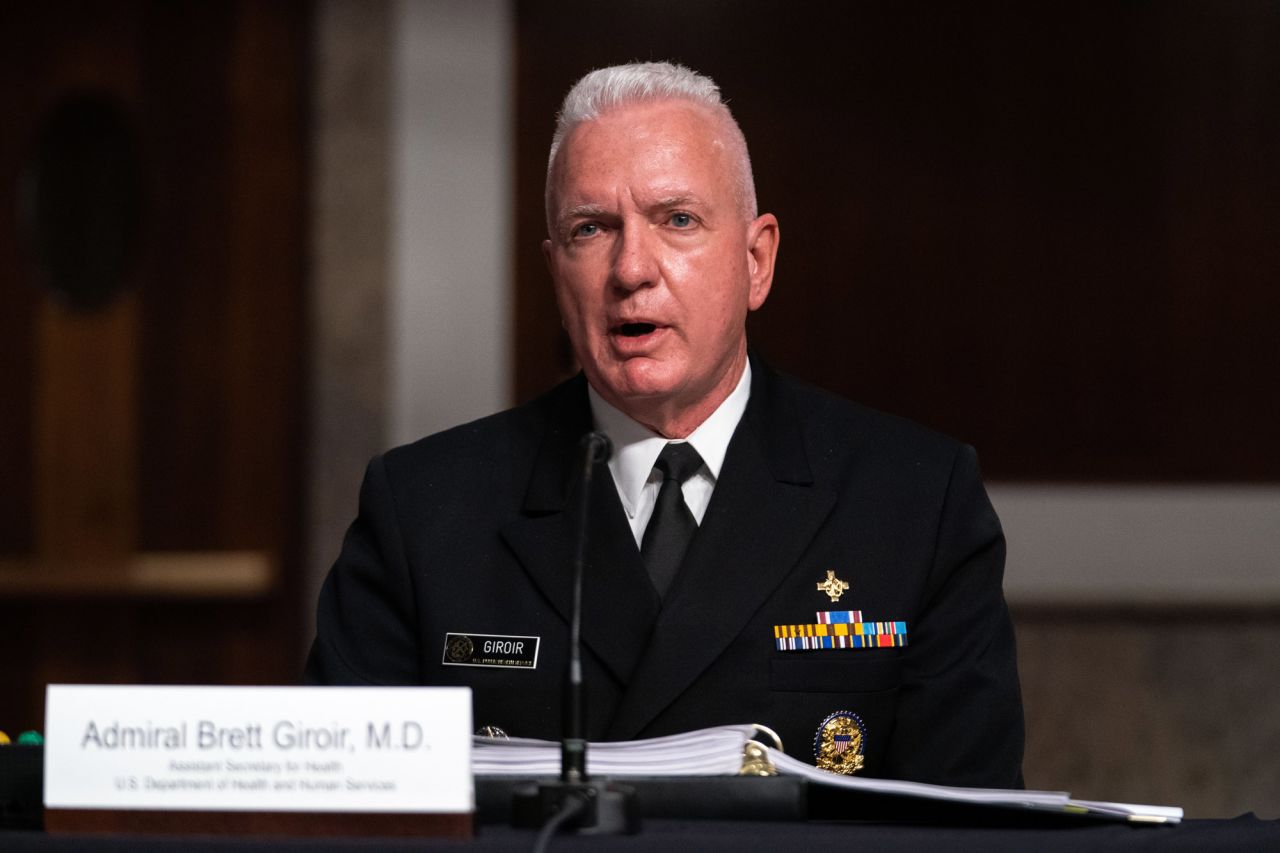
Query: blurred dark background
point(1050, 230)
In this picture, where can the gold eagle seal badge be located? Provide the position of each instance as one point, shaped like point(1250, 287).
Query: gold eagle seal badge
point(838, 745)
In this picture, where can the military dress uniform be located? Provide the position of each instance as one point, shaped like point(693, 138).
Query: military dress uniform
point(828, 522)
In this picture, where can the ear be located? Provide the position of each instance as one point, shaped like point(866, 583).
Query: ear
point(549, 258)
point(762, 250)
point(546, 257)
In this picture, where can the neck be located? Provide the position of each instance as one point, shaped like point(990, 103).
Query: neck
point(680, 424)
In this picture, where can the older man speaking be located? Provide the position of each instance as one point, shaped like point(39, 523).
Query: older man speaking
point(762, 551)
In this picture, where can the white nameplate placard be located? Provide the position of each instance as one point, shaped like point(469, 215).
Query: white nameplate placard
point(260, 749)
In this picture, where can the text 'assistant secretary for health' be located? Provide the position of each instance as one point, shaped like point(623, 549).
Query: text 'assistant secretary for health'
point(763, 551)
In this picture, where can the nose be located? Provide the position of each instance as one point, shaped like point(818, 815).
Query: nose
point(635, 263)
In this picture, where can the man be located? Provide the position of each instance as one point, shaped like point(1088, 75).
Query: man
point(811, 565)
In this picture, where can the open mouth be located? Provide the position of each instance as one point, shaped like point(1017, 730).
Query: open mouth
point(635, 330)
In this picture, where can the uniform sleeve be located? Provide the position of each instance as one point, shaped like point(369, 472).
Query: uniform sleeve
point(959, 719)
point(365, 621)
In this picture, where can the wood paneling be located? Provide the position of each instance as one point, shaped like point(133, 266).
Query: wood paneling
point(86, 432)
point(1050, 230)
point(171, 421)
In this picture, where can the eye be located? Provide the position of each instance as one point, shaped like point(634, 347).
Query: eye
point(586, 229)
point(681, 220)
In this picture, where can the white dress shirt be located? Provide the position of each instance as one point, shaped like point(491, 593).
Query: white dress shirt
point(636, 448)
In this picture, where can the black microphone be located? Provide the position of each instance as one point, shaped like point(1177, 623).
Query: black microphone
point(596, 448)
point(578, 802)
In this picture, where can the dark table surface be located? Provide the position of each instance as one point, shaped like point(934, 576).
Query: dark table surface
point(1245, 833)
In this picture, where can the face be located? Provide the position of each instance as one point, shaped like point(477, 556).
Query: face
point(654, 262)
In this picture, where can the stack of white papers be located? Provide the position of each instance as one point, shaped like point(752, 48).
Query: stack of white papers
point(706, 752)
point(1041, 800)
point(718, 751)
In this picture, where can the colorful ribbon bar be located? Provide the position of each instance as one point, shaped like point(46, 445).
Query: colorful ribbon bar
point(836, 617)
point(855, 641)
point(841, 629)
point(840, 635)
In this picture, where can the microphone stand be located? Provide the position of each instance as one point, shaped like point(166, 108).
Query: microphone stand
point(578, 802)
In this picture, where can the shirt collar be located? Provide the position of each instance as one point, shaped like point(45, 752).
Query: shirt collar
point(636, 447)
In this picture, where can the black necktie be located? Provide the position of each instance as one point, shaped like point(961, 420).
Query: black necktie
point(671, 527)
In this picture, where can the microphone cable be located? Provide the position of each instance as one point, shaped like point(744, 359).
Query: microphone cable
point(572, 807)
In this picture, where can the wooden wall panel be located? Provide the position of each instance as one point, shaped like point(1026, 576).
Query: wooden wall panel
point(211, 354)
point(1048, 230)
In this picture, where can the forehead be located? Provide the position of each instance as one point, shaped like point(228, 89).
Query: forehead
point(659, 147)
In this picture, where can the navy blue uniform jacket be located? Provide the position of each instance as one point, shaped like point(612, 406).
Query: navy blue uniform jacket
point(471, 530)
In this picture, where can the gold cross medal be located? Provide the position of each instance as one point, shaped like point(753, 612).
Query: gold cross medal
point(838, 745)
point(833, 586)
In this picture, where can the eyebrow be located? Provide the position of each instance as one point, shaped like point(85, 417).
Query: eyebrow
point(676, 201)
point(580, 210)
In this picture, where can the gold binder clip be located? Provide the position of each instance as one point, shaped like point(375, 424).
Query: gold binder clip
point(755, 760)
point(755, 755)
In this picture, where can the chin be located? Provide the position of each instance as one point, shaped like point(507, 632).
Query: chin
point(650, 379)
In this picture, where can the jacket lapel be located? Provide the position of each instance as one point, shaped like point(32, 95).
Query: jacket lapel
point(619, 605)
point(763, 514)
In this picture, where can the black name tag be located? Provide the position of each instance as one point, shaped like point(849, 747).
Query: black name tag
point(490, 650)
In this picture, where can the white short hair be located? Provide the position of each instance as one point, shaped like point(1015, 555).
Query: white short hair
point(606, 89)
